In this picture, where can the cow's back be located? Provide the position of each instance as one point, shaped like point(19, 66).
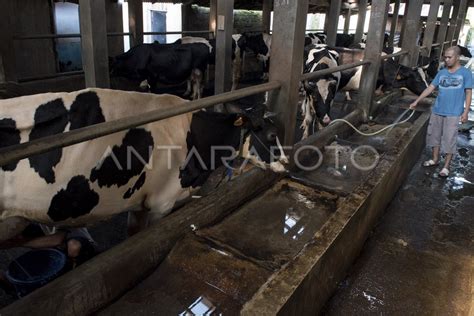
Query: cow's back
point(90, 180)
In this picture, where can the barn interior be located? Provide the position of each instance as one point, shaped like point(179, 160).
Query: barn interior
point(381, 235)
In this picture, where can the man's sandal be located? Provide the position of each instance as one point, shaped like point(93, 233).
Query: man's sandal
point(444, 173)
point(430, 163)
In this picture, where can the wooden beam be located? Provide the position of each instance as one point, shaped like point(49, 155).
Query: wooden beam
point(266, 16)
point(286, 63)
point(410, 33)
point(360, 21)
point(95, 59)
point(393, 25)
point(441, 38)
point(135, 21)
point(453, 21)
point(373, 49)
point(7, 48)
point(225, 27)
point(212, 18)
point(430, 27)
point(333, 19)
point(347, 21)
point(460, 22)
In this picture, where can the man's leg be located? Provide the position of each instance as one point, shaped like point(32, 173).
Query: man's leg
point(433, 135)
point(435, 154)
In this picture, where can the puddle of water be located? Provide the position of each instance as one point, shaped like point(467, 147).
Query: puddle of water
point(458, 187)
point(275, 227)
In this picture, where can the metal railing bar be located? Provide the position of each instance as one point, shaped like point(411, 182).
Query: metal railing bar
point(78, 35)
point(14, 153)
point(51, 76)
point(320, 73)
point(402, 52)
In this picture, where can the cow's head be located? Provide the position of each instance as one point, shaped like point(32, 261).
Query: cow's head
point(319, 92)
point(215, 139)
point(399, 76)
point(258, 43)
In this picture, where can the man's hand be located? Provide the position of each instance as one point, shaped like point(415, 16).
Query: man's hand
point(413, 105)
point(464, 117)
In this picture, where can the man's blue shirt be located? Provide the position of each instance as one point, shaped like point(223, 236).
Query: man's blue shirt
point(452, 94)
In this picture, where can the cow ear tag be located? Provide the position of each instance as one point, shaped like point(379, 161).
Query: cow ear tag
point(239, 122)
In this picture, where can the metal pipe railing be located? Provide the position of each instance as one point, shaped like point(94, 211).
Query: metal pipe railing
point(320, 73)
point(14, 153)
point(400, 53)
point(51, 76)
point(78, 35)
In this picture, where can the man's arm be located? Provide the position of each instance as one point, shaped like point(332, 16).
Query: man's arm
point(423, 95)
point(467, 106)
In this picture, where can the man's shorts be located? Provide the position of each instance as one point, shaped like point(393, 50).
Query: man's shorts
point(443, 131)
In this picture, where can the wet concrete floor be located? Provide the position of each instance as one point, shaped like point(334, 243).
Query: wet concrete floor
point(419, 259)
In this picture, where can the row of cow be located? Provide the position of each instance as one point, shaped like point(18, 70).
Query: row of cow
point(152, 166)
point(186, 60)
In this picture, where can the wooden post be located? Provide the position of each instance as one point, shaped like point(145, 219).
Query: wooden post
point(7, 51)
point(94, 43)
point(393, 25)
point(347, 21)
point(453, 22)
point(430, 27)
point(266, 16)
point(460, 22)
point(212, 18)
point(443, 27)
point(334, 11)
point(286, 63)
point(410, 33)
point(326, 20)
point(373, 49)
point(135, 21)
point(360, 21)
point(225, 27)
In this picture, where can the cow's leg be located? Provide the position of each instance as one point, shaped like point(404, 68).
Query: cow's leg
point(188, 87)
point(137, 220)
point(197, 86)
point(236, 71)
point(348, 96)
point(12, 227)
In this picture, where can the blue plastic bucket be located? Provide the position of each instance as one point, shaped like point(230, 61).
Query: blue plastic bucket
point(34, 269)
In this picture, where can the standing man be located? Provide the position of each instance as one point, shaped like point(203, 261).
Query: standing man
point(452, 104)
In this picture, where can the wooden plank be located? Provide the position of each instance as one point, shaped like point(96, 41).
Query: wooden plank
point(94, 43)
point(373, 49)
point(225, 27)
point(110, 274)
point(333, 19)
point(393, 26)
point(212, 18)
point(430, 27)
point(460, 21)
point(347, 21)
point(286, 64)
point(361, 21)
point(135, 21)
point(453, 22)
point(441, 38)
point(410, 33)
point(266, 16)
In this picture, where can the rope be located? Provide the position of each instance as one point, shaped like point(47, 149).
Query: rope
point(396, 122)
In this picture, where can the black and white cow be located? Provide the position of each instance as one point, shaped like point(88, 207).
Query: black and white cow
point(169, 64)
point(257, 43)
point(319, 93)
point(149, 167)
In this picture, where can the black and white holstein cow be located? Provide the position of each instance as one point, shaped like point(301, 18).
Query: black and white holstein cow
point(169, 64)
point(319, 93)
point(147, 168)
